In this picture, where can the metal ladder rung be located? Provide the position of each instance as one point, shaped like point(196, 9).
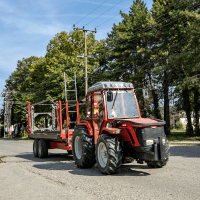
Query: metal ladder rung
point(70, 90)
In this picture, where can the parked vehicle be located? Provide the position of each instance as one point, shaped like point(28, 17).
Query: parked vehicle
point(112, 132)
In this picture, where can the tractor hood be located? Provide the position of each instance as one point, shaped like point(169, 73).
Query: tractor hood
point(143, 121)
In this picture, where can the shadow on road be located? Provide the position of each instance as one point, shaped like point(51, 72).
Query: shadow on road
point(185, 151)
point(125, 170)
point(52, 157)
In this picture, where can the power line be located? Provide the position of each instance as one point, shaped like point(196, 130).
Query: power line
point(110, 19)
point(150, 29)
point(165, 19)
point(157, 61)
point(91, 12)
point(139, 27)
point(104, 12)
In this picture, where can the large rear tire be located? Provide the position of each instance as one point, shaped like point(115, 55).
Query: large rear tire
point(83, 148)
point(42, 149)
point(35, 147)
point(108, 154)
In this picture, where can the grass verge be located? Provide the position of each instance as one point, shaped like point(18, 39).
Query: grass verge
point(17, 138)
point(181, 136)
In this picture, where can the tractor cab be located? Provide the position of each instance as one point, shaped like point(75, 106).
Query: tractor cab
point(111, 100)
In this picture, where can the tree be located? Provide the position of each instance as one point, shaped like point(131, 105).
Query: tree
point(129, 54)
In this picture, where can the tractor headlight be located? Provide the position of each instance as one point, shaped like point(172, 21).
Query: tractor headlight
point(149, 142)
point(164, 140)
point(109, 125)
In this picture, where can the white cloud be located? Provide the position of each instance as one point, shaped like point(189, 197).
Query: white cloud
point(34, 27)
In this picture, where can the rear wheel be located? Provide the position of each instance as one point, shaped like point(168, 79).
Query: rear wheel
point(83, 148)
point(108, 154)
point(42, 149)
point(35, 147)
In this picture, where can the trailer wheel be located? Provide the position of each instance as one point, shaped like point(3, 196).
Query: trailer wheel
point(160, 163)
point(83, 148)
point(69, 152)
point(108, 154)
point(42, 149)
point(35, 147)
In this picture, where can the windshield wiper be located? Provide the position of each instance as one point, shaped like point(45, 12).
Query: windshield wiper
point(114, 99)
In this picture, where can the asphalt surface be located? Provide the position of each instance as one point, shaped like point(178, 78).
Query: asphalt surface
point(22, 176)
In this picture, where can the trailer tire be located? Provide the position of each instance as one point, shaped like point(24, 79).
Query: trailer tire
point(160, 163)
point(83, 148)
point(35, 147)
point(42, 149)
point(69, 152)
point(108, 154)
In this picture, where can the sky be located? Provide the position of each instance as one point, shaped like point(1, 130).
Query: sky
point(27, 26)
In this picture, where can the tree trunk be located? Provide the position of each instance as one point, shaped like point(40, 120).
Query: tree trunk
point(144, 108)
point(187, 108)
point(196, 109)
point(157, 113)
point(166, 103)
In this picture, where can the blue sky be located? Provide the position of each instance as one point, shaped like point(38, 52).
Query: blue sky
point(27, 26)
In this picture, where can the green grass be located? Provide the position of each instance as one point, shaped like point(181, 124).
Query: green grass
point(181, 136)
point(16, 138)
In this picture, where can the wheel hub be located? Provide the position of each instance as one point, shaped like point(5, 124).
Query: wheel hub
point(78, 147)
point(102, 155)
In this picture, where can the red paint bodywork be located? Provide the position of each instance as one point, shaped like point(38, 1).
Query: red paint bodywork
point(127, 127)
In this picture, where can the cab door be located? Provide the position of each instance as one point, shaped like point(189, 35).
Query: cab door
point(97, 112)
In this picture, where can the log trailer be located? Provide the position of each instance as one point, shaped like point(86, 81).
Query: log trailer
point(112, 131)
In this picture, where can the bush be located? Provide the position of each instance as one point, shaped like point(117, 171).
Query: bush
point(23, 134)
point(179, 125)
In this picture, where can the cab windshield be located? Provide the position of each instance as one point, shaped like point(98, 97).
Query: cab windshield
point(123, 105)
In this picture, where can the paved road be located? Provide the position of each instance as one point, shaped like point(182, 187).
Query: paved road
point(23, 176)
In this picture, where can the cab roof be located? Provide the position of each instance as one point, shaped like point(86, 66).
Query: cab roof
point(110, 85)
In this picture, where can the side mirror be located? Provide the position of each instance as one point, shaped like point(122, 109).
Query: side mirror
point(109, 96)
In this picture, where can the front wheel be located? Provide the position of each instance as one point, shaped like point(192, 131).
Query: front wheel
point(160, 163)
point(108, 154)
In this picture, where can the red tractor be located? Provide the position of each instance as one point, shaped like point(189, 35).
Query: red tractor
point(113, 130)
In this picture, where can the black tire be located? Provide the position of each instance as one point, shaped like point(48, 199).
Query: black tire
point(160, 163)
point(127, 159)
point(42, 149)
point(70, 152)
point(35, 147)
point(83, 148)
point(112, 160)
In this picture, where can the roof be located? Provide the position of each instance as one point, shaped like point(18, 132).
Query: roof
point(110, 85)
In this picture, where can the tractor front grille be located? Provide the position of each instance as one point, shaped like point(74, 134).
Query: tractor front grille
point(149, 133)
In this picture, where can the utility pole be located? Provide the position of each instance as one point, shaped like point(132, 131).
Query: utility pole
point(85, 54)
point(7, 112)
